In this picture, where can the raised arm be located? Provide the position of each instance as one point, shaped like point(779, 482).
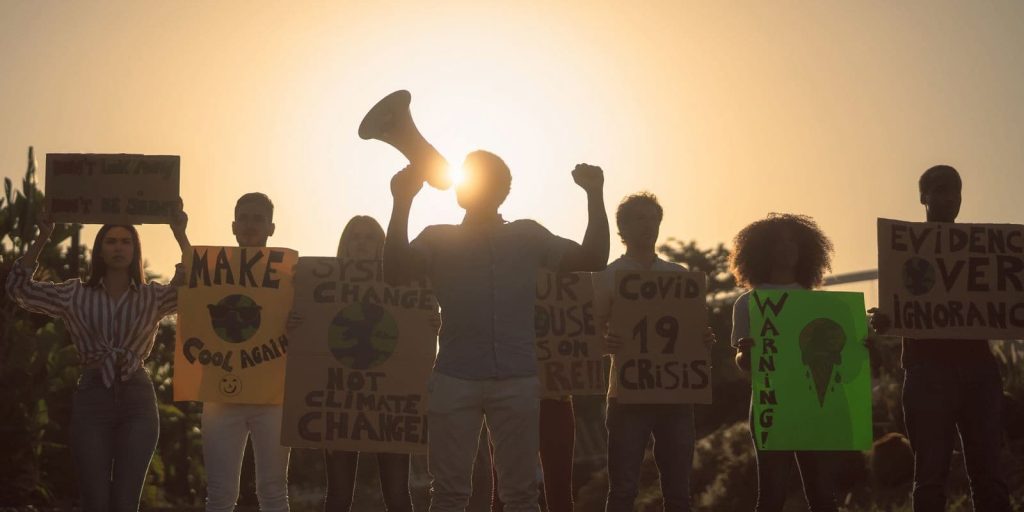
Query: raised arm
point(592, 256)
point(38, 297)
point(401, 263)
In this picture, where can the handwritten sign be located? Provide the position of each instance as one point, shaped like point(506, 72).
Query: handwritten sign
point(360, 360)
point(232, 311)
point(112, 189)
point(569, 350)
point(952, 281)
point(662, 315)
point(810, 370)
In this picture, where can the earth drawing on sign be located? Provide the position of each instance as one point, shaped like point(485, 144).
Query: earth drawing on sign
point(236, 318)
point(362, 335)
point(918, 276)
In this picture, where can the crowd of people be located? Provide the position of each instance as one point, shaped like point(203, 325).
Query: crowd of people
point(483, 274)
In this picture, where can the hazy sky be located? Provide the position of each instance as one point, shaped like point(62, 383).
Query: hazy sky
point(726, 110)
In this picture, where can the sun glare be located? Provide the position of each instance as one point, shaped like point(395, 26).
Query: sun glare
point(456, 172)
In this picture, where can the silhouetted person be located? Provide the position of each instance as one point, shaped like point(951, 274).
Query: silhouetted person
point(363, 239)
point(112, 319)
point(631, 426)
point(782, 251)
point(950, 386)
point(226, 426)
point(484, 273)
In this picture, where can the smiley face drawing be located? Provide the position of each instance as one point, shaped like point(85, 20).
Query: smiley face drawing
point(230, 385)
point(236, 318)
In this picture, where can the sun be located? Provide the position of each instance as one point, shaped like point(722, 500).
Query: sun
point(457, 173)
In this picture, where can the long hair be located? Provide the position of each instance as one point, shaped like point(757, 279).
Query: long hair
point(98, 268)
point(346, 234)
point(751, 260)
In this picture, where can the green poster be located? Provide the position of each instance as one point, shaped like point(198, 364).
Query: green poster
point(810, 370)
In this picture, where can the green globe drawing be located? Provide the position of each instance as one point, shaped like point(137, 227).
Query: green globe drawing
point(362, 336)
point(236, 318)
point(918, 276)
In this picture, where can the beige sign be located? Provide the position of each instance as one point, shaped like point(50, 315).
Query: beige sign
point(112, 189)
point(569, 351)
point(662, 317)
point(953, 281)
point(232, 310)
point(359, 361)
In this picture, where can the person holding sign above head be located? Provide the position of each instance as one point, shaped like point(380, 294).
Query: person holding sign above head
point(631, 425)
point(782, 251)
point(226, 426)
point(484, 274)
point(112, 318)
point(950, 386)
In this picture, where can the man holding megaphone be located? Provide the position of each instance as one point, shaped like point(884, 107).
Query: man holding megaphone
point(483, 272)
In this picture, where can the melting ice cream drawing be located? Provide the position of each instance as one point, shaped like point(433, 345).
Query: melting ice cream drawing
point(821, 346)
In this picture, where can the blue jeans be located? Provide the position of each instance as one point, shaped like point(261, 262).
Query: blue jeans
point(940, 400)
point(630, 427)
point(113, 435)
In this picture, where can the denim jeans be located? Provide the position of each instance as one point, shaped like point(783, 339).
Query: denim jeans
point(456, 409)
point(940, 400)
point(630, 427)
point(113, 435)
point(393, 469)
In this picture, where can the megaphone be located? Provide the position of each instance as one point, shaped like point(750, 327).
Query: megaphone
point(390, 121)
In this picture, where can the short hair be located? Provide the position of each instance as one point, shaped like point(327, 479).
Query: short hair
point(751, 258)
point(495, 166)
point(258, 198)
point(936, 174)
point(630, 203)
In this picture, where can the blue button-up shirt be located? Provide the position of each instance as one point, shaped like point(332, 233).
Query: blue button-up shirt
point(485, 279)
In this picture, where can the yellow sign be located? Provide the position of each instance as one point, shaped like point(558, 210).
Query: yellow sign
point(231, 343)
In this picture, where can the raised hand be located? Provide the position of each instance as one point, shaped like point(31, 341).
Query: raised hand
point(588, 177)
point(406, 183)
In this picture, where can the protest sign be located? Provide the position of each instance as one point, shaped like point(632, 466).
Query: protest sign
point(662, 316)
point(810, 370)
point(112, 189)
point(232, 310)
point(569, 351)
point(360, 360)
point(952, 281)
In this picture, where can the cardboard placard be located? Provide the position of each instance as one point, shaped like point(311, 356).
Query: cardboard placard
point(662, 316)
point(112, 189)
point(952, 281)
point(232, 311)
point(569, 351)
point(359, 363)
point(810, 370)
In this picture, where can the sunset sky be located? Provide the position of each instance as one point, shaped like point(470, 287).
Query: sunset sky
point(726, 110)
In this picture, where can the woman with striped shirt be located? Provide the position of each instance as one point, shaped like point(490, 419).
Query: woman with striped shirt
point(112, 318)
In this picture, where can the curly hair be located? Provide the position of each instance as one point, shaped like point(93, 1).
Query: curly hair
point(751, 259)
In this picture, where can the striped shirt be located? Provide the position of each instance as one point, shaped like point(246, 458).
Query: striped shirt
point(115, 334)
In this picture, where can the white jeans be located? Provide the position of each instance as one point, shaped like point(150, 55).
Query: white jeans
point(225, 428)
point(512, 410)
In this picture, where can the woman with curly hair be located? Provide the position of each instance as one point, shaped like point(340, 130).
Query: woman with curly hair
point(782, 251)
